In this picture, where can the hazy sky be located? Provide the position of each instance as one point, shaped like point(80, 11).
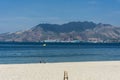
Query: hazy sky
point(23, 14)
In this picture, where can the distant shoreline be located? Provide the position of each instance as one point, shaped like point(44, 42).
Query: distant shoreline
point(57, 43)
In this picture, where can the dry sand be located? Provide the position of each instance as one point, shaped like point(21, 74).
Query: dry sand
point(54, 71)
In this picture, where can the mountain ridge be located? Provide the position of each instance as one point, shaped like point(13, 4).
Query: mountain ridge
point(82, 31)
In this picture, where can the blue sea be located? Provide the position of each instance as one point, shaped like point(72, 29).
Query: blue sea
point(17, 53)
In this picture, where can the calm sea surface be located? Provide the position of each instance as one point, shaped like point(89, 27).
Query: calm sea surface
point(57, 52)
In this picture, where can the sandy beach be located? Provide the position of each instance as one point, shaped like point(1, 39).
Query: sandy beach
point(54, 71)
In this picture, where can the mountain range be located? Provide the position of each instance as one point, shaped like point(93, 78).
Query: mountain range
point(79, 31)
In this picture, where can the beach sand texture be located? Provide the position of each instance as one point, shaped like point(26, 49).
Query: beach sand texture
point(55, 71)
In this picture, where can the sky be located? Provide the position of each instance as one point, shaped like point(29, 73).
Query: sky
point(18, 15)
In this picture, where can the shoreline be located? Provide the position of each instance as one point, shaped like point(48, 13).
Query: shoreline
point(66, 42)
point(100, 70)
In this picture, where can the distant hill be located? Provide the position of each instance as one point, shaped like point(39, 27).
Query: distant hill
point(68, 27)
point(82, 31)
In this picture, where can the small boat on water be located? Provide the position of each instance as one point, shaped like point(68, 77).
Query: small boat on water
point(44, 45)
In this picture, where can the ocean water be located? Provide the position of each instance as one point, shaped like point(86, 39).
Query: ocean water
point(17, 53)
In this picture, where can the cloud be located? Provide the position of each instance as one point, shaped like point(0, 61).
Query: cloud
point(13, 19)
point(4, 19)
point(93, 2)
point(118, 0)
point(113, 14)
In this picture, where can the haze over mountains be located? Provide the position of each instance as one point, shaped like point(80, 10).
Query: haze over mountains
point(80, 31)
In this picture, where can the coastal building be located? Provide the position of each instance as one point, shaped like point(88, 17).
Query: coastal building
point(95, 40)
point(51, 40)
